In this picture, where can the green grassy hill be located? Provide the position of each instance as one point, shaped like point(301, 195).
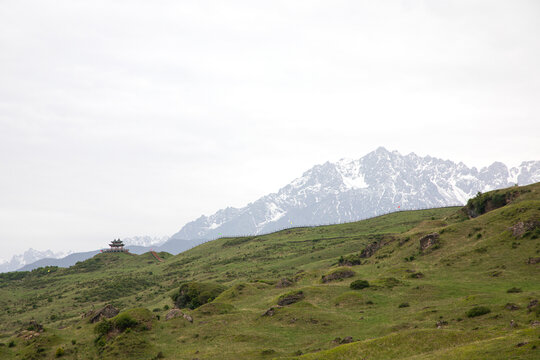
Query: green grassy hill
point(469, 293)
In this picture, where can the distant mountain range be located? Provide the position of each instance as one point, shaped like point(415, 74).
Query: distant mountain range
point(28, 257)
point(32, 259)
point(350, 190)
point(334, 192)
point(172, 246)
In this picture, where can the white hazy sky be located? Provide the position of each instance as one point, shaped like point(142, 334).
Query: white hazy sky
point(122, 118)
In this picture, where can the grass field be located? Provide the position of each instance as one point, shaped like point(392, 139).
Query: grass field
point(415, 307)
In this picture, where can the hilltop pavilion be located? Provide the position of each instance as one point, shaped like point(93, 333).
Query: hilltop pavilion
point(116, 246)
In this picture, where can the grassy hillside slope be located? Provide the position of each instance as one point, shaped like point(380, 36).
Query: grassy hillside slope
point(469, 294)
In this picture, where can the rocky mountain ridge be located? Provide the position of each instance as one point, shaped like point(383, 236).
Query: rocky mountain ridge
point(350, 190)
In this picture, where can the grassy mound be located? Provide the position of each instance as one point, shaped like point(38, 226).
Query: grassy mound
point(194, 294)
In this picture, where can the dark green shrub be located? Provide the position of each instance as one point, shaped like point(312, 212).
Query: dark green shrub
point(359, 284)
point(514, 290)
point(498, 200)
point(478, 311)
point(403, 305)
point(59, 352)
point(100, 342)
point(73, 342)
point(268, 352)
point(103, 327)
point(11, 344)
point(410, 258)
point(166, 307)
point(492, 200)
point(124, 321)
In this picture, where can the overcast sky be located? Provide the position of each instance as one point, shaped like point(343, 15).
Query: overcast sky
point(123, 118)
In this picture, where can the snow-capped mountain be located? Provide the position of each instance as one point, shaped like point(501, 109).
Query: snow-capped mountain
point(350, 190)
point(145, 240)
point(28, 257)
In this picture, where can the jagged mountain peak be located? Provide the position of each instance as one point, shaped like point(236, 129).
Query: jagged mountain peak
point(352, 189)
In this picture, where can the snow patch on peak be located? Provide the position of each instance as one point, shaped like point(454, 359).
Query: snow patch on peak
point(358, 182)
point(214, 225)
point(273, 213)
point(351, 174)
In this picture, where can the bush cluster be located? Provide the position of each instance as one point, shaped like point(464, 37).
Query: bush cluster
point(194, 294)
point(513, 290)
point(478, 311)
point(124, 321)
point(136, 319)
point(477, 205)
point(60, 352)
point(359, 284)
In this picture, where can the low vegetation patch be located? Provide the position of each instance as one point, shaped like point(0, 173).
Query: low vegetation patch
point(478, 311)
point(388, 282)
point(359, 284)
point(215, 308)
point(349, 298)
point(236, 241)
point(514, 290)
point(350, 260)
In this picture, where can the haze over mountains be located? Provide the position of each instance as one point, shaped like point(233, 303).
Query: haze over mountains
point(334, 192)
point(28, 257)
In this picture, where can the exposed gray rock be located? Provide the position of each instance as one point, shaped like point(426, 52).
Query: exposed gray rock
point(511, 306)
point(173, 313)
point(428, 241)
point(371, 249)
point(106, 312)
point(283, 283)
point(520, 228)
point(271, 311)
point(188, 317)
point(292, 298)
